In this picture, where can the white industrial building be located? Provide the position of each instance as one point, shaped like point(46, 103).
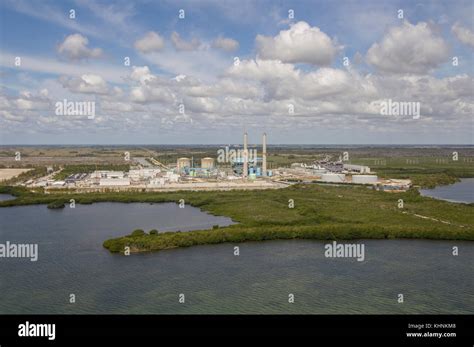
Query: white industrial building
point(171, 177)
point(142, 174)
point(183, 163)
point(357, 168)
point(114, 181)
point(364, 179)
point(333, 178)
point(158, 181)
point(207, 163)
point(107, 174)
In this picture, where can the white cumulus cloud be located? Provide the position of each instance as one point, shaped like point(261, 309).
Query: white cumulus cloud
point(75, 47)
point(409, 49)
point(87, 84)
point(226, 44)
point(141, 74)
point(151, 42)
point(300, 44)
point(463, 34)
point(183, 45)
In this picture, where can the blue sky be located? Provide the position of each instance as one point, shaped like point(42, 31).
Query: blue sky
point(189, 64)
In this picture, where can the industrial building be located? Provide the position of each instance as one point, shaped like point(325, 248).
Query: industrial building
point(243, 169)
point(364, 179)
point(207, 163)
point(107, 174)
point(143, 173)
point(331, 166)
point(183, 164)
point(251, 167)
point(356, 168)
point(114, 181)
point(333, 177)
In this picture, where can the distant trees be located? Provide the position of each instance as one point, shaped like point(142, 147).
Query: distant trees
point(56, 204)
point(138, 232)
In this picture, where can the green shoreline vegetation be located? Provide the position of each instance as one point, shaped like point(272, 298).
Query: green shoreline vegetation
point(320, 212)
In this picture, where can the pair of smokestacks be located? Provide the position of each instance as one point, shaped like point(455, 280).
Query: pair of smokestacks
point(264, 156)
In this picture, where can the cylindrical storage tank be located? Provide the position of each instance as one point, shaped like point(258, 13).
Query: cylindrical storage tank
point(182, 163)
point(333, 178)
point(207, 163)
point(364, 179)
point(270, 173)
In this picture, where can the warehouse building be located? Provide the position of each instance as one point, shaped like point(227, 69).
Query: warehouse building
point(333, 178)
point(357, 168)
point(364, 179)
point(114, 181)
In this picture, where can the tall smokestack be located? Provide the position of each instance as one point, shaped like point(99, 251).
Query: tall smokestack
point(264, 154)
point(246, 158)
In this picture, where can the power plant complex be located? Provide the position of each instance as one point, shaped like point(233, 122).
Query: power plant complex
point(233, 168)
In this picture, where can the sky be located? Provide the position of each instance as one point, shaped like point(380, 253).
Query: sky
point(203, 72)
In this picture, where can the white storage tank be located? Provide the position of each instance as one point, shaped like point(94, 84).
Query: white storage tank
point(207, 163)
point(182, 163)
point(334, 178)
point(364, 179)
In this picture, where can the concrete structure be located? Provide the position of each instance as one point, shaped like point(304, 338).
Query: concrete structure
point(183, 163)
point(264, 155)
point(333, 178)
point(332, 166)
point(143, 174)
point(364, 179)
point(357, 168)
point(172, 177)
point(107, 174)
point(207, 163)
point(114, 181)
point(158, 181)
point(394, 185)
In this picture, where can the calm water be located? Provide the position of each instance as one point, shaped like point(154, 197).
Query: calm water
point(459, 192)
point(4, 197)
point(72, 261)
